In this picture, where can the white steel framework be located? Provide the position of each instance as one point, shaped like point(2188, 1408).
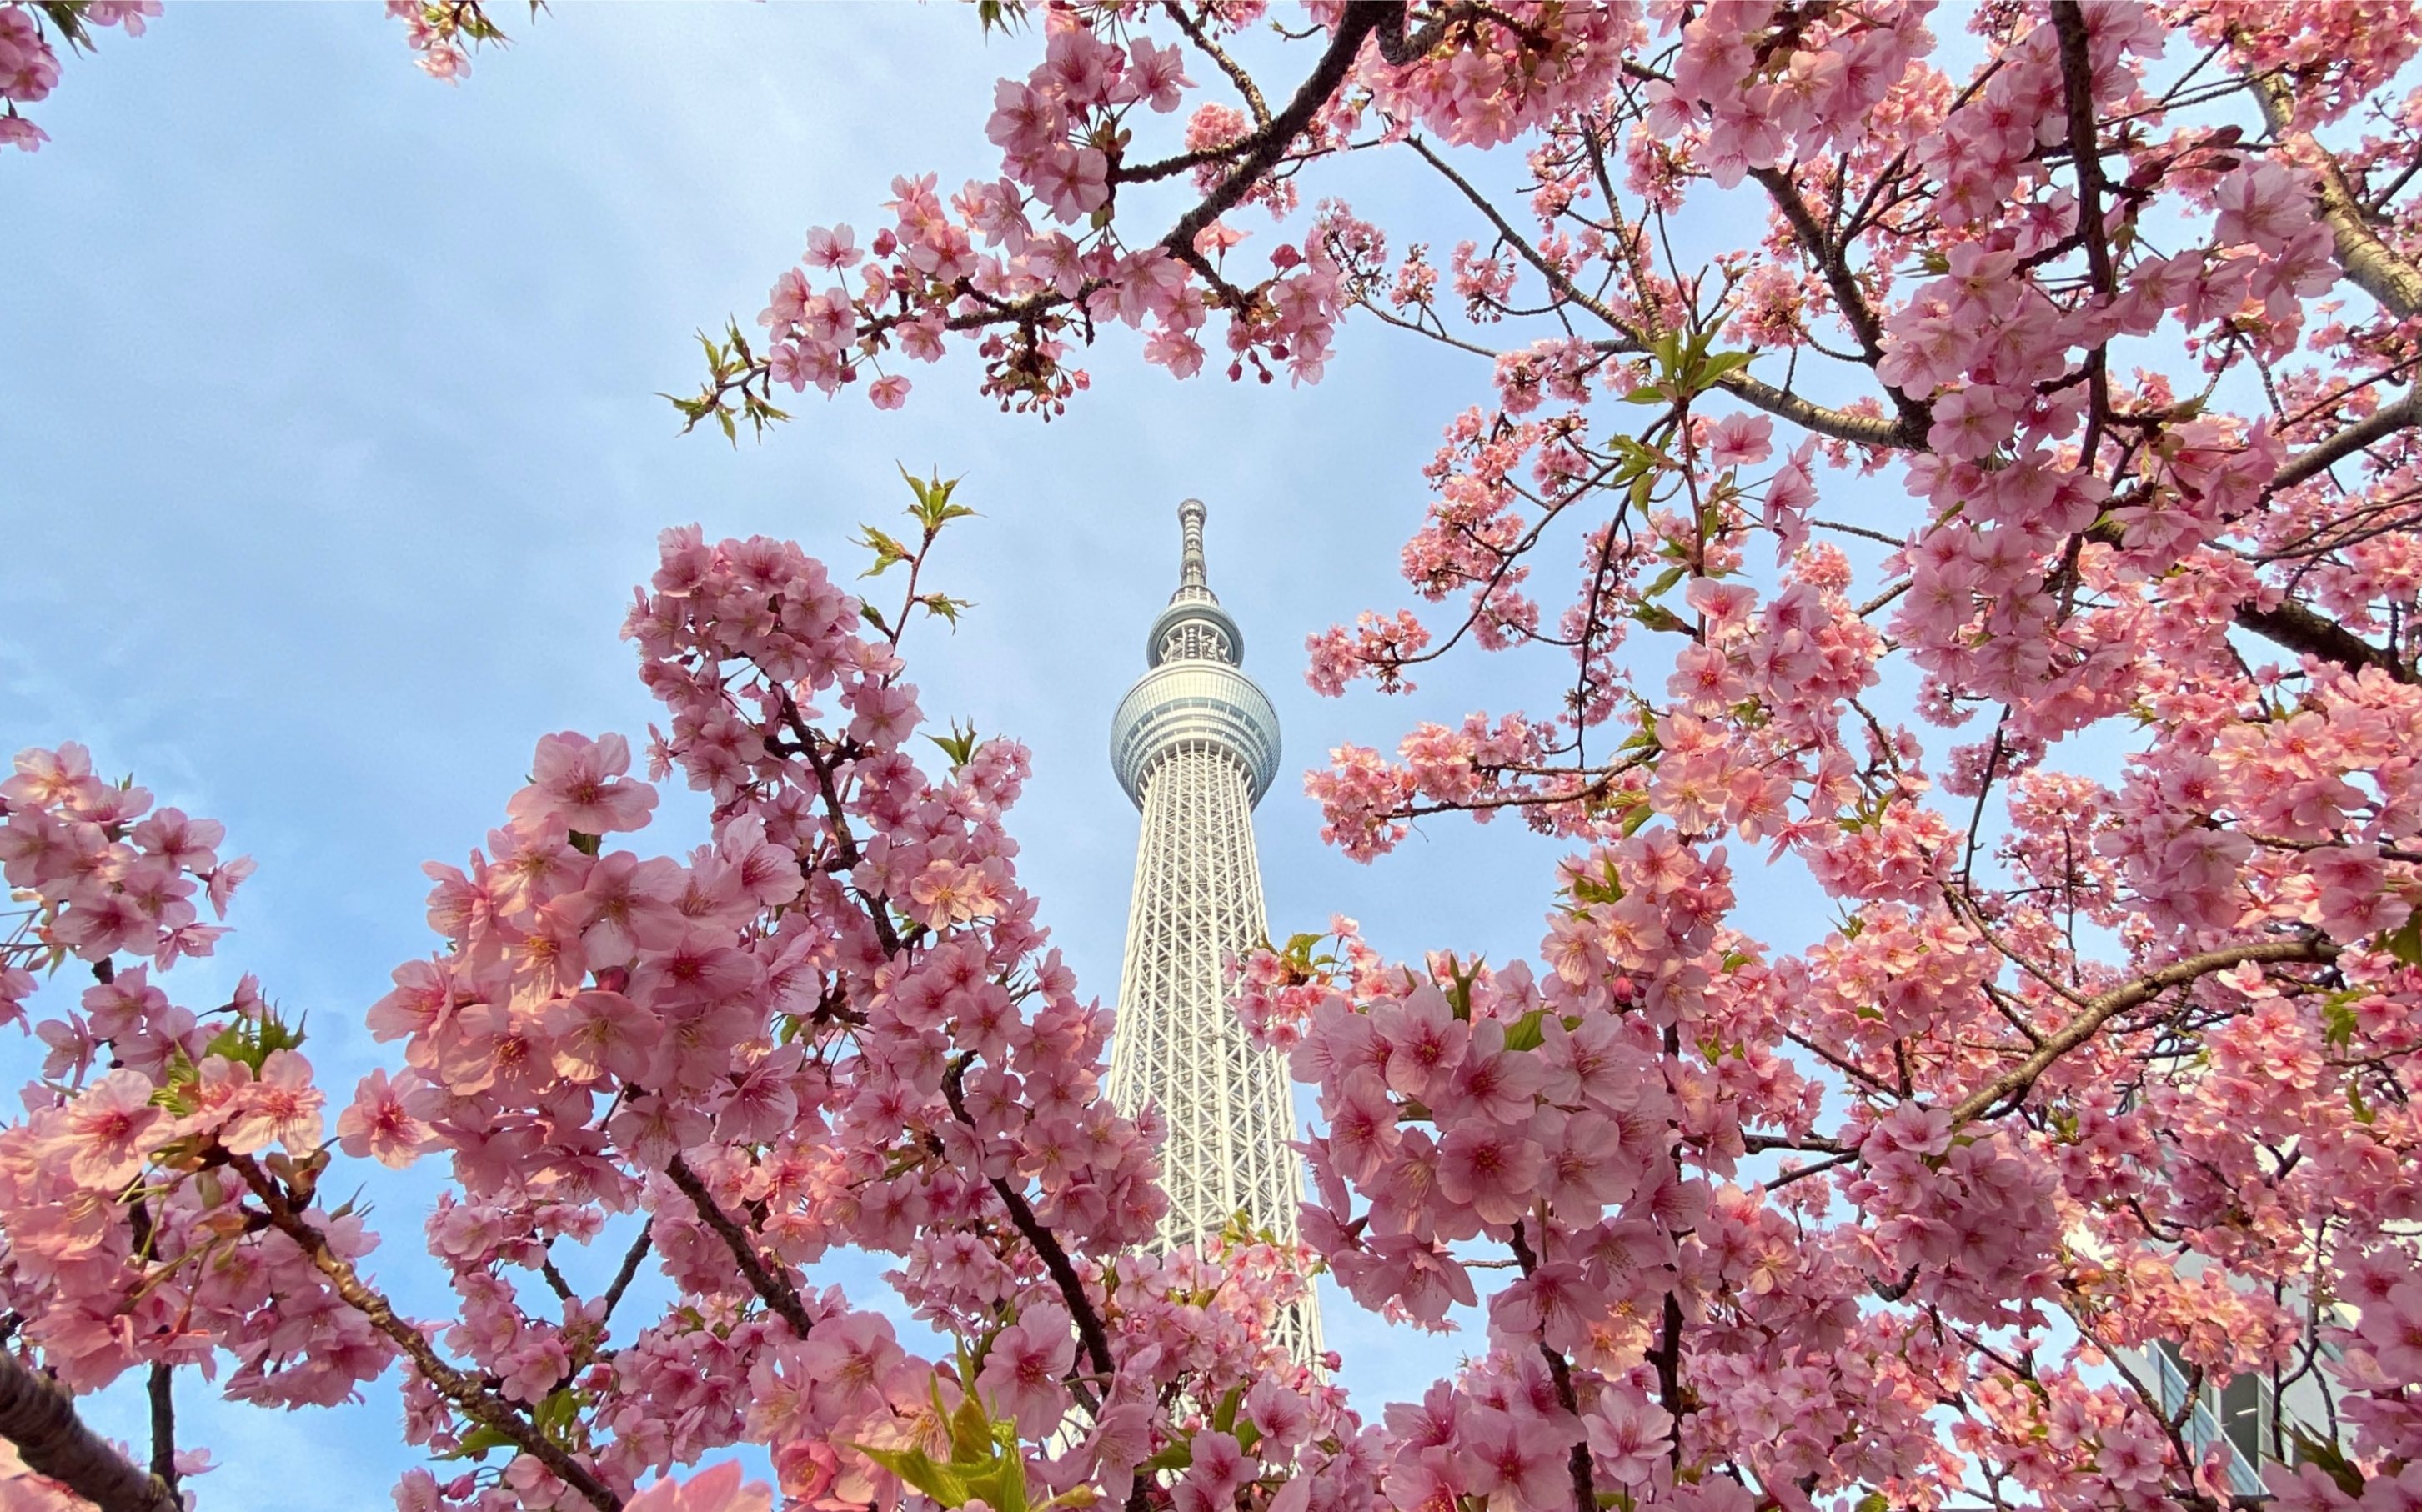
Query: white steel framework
point(1195, 744)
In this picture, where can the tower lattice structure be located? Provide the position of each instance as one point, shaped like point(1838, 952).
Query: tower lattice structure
point(1196, 744)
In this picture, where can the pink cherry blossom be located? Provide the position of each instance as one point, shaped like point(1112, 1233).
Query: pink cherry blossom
point(579, 782)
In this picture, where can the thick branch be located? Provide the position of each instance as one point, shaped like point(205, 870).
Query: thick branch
point(775, 1290)
point(2084, 149)
point(38, 1416)
point(162, 1389)
point(2310, 634)
point(1848, 296)
point(2085, 157)
point(1667, 1357)
point(2013, 1084)
point(2298, 627)
point(1272, 142)
point(2379, 426)
point(2375, 267)
point(473, 1399)
point(1841, 425)
point(1063, 1274)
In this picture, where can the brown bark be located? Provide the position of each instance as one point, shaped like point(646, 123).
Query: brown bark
point(38, 1416)
point(2372, 264)
point(2014, 1084)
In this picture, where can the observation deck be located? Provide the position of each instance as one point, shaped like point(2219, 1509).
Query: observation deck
point(1193, 697)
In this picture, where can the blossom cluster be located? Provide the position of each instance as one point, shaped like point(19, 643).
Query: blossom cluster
point(30, 38)
point(834, 1023)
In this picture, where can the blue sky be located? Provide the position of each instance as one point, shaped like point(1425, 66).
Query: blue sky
point(330, 448)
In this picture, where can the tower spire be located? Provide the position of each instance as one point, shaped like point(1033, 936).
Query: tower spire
point(1196, 745)
point(1192, 584)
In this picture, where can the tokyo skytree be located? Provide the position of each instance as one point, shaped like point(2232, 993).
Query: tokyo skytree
point(1195, 744)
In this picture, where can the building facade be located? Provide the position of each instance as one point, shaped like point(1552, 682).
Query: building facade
point(1195, 744)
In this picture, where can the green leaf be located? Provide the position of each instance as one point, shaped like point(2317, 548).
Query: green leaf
point(67, 15)
point(1223, 1417)
point(916, 1468)
point(1716, 369)
point(2405, 942)
point(970, 1428)
point(556, 1417)
point(1528, 1031)
point(2337, 1017)
point(2331, 1458)
point(934, 509)
point(587, 845)
point(1001, 1483)
point(1607, 889)
point(959, 745)
point(1664, 583)
point(1005, 14)
point(1178, 1456)
point(1458, 993)
point(476, 1443)
point(252, 1041)
point(944, 606)
point(1656, 617)
point(887, 550)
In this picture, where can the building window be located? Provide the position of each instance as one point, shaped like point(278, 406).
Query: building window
point(2240, 1415)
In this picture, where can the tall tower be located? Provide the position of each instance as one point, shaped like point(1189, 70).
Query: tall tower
point(1195, 744)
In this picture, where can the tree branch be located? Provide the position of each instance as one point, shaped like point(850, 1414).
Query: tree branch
point(2085, 157)
point(1842, 425)
point(1561, 1373)
point(2379, 426)
point(1272, 142)
point(473, 1399)
point(2375, 267)
point(1915, 417)
point(1045, 1243)
point(630, 1267)
point(775, 1290)
point(38, 1416)
point(2013, 1084)
point(1229, 65)
point(2307, 632)
point(2085, 150)
point(161, 1388)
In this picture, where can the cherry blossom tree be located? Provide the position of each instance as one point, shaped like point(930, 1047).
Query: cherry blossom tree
point(833, 1023)
point(2051, 378)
